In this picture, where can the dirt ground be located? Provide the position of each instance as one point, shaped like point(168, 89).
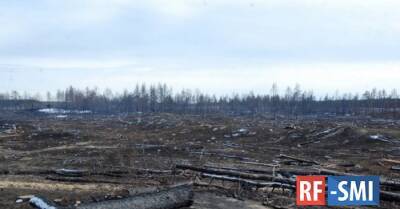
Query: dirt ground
point(125, 154)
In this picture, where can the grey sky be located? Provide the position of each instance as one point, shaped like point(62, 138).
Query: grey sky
point(216, 46)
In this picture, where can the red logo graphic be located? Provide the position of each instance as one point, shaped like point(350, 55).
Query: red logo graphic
point(310, 190)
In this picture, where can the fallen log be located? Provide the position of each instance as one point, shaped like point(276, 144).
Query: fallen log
point(317, 137)
point(290, 172)
point(177, 197)
point(390, 196)
point(85, 180)
point(391, 161)
point(248, 170)
point(222, 155)
point(71, 172)
point(81, 173)
point(335, 132)
point(395, 184)
point(298, 172)
point(324, 171)
point(261, 164)
point(299, 159)
point(324, 133)
point(152, 171)
point(64, 172)
point(170, 198)
point(238, 174)
point(287, 172)
point(249, 182)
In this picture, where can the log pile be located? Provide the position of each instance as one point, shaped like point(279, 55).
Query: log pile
point(237, 174)
point(267, 178)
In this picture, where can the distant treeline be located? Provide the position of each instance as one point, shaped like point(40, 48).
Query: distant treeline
point(161, 98)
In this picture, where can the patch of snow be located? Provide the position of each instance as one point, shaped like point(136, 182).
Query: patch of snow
point(82, 111)
point(62, 111)
point(243, 130)
point(53, 111)
point(235, 135)
point(374, 136)
point(379, 137)
point(40, 203)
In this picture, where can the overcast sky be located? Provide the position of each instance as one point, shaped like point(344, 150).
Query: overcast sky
point(217, 46)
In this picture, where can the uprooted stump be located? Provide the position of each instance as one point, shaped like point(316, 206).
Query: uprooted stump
point(171, 198)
